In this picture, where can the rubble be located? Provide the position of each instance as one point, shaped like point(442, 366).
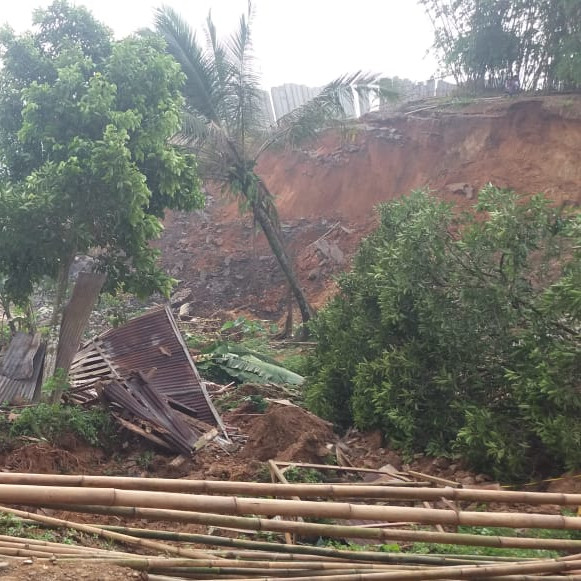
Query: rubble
point(144, 369)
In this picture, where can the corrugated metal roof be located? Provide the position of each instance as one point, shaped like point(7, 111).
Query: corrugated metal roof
point(136, 396)
point(20, 373)
point(152, 341)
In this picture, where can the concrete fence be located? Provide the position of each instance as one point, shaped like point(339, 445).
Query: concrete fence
point(286, 98)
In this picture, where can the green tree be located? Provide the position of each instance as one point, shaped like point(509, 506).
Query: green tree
point(482, 43)
point(225, 124)
point(85, 164)
point(460, 334)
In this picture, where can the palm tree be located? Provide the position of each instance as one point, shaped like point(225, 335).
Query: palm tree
point(224, 121)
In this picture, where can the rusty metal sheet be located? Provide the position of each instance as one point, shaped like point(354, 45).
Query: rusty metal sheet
point(136, 396)
point(21, 370)
point(151, 341)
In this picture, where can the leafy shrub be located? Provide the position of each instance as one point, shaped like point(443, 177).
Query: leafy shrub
point(53, 421)
point(460, 334)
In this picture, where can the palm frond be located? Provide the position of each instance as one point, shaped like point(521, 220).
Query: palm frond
point(223, 69)
point(246, 110)
point(200, 87)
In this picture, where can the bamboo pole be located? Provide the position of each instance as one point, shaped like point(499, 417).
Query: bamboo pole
point(127, 539)
point(302, 550)
point(56, 548)
point(209, 486)
point(287, 490)
point(434, 479)
point(333, 531)
point(276, 473)
point(49, 495)
point(462, 572)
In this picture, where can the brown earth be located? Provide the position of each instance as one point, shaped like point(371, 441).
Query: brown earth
point(330, 188)
point(288, 433)
point(59, 571)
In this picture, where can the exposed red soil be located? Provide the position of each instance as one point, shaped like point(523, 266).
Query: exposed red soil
point(288, 433)
point(529, 144)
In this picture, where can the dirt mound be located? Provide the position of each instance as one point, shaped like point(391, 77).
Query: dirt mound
point(288, 433)
point(568, 483)
point(43, 458)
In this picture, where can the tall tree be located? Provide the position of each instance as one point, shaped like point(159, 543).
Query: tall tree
point(85, 163)
point(482, 43)
point(225, 123)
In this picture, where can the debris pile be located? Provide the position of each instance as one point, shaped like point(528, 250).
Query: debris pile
point(142, 370)
point(145, 371)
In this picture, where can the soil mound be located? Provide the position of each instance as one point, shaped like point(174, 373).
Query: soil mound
point(43, 458)
point(288, 433)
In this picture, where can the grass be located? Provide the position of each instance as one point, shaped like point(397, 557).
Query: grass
point(51, 422)
point(468, 550)
point(445, 549)
point(14, 527)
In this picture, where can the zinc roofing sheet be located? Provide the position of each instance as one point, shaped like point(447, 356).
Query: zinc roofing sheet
point(154, 341)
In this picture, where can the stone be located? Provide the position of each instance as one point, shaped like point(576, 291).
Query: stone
point(180, 297)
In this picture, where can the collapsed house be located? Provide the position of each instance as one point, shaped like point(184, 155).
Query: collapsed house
point(145, 371)
point(142, 370)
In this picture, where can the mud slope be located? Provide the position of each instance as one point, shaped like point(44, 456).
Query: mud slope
point(528, 144)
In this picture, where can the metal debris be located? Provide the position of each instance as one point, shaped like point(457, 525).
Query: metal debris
point(21, 370)
point(135, 396)
point(146, 343)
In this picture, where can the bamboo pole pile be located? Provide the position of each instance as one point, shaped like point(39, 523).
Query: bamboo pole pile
point(291, 511)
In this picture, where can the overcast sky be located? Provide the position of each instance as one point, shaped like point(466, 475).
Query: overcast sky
point(295, 41)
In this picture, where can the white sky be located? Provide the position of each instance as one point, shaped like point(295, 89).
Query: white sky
point(295, 41)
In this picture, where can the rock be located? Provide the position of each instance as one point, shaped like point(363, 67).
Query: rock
point(461, 189)
point(314, 274)
point(180, 297)
point(186, 311)
point(336, 254)
point(177, 268)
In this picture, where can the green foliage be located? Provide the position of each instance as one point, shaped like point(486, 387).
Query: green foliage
point(442, 549)
point(460, 334)
point(485, 43)
point(85, 163)
point(243, 365)
point(15, 527)
point(305, 475)
point(58, 382)
point(53, 421)
point(145, 460)
point(244, 326)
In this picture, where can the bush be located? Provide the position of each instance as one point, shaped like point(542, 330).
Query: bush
point(54, 421)
point(460, 334)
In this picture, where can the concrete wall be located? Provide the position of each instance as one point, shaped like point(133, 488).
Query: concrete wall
point(288, 97)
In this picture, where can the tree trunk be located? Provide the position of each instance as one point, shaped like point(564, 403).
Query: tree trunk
point(61, 290)
point(74, 321)
point(277, 246)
